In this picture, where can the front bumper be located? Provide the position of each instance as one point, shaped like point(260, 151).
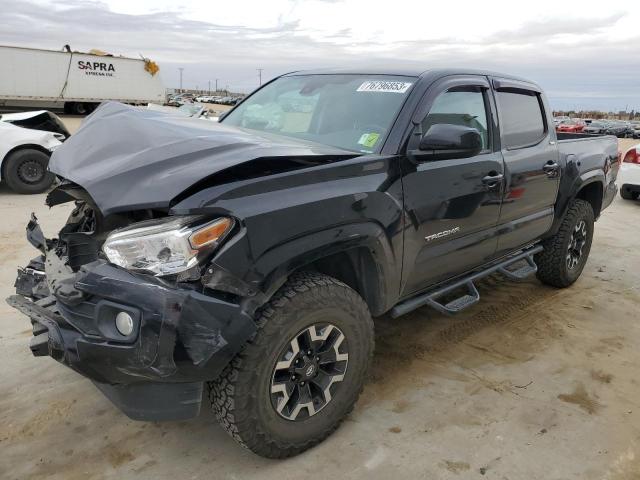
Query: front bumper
point(181, 337)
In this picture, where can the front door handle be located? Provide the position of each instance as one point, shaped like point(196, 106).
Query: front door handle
point(551, 168)
point(492, 180)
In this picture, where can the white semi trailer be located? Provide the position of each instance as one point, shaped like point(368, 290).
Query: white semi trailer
point(77, 82)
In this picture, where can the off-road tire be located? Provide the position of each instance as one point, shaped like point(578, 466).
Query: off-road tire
point(552, 261)
point(240, 397)
point(19, 183)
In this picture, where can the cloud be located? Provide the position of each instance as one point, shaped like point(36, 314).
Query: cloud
point(577, 60)
point(544, 30)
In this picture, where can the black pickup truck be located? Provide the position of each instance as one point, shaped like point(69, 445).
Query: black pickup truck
point(245, 259)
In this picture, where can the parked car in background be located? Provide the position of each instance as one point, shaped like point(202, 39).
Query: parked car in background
point(570, 126)
point(630, 174)
point(38, 120)
point(617, 128)
point(597, 126)
point(193, 110)
point(24, 157)
point(558, 120)
point(636, 129)
point(630, 130)
point(180, 99)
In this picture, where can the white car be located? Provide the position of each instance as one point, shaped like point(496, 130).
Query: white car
point(24, 157)
point(630, 174)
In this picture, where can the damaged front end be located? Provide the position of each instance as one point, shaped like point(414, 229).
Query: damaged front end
point(144, 328)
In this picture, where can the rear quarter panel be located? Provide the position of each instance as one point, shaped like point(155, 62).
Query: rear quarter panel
point(586, 160)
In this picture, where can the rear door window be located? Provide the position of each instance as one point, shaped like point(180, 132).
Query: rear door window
point(521, 118)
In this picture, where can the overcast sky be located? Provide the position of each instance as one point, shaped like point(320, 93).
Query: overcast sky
point(586, 54)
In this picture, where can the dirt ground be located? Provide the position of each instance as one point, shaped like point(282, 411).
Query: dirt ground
point(532, 383)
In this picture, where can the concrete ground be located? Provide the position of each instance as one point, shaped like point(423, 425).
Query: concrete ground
point(532, 383)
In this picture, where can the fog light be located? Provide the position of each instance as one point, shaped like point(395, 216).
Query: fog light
point(124, 323)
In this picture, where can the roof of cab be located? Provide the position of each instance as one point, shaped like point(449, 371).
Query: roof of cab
point(406, 71)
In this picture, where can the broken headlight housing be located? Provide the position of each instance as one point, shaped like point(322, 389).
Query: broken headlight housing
point(165, 247)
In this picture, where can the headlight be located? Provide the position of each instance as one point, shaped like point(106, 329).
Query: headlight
point(165, 247)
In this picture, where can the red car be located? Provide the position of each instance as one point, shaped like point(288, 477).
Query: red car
point(570, 126)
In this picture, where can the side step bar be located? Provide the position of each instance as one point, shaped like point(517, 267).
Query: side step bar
point(471, 297)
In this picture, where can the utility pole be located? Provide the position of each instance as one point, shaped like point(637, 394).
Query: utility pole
point(260, 76)
point(209, 87)
point(181, 69)
point(217, 85)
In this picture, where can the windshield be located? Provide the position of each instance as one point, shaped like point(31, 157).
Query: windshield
point(598, 124)
point(354, 112)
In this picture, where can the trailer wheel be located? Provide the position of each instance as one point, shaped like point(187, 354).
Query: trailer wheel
point(80, 108)
point(25, 171)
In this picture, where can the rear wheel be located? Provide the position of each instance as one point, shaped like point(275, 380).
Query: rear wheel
point(300, 376)
point(25, 171)
point(565, 254)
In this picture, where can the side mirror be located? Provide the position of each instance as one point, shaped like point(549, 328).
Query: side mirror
point(445, 141)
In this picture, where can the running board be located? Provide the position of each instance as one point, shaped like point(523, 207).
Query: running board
point(471, 297)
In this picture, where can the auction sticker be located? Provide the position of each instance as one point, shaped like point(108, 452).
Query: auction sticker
point(369, 139)
point(384, 86)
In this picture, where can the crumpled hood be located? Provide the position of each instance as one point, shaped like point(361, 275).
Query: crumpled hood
point(129, 158)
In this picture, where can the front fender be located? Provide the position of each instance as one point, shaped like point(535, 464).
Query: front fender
point(374, 260)
point(290, 219)
point(366, 245)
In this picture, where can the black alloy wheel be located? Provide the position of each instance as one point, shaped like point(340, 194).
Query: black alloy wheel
point(307, 371)
point(576, 244)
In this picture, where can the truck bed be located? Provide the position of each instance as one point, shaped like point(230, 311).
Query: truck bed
point(564, 136)
point(590, 153)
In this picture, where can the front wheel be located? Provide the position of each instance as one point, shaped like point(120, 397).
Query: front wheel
point(302, 373)
point(565, 254)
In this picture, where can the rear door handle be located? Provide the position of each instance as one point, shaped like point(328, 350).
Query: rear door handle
point(492, 180)
point(551, 168)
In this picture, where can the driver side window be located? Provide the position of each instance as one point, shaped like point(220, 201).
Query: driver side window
point(464, 107)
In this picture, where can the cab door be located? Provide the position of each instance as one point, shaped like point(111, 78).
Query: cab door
point(451, 206)
point(532, 170)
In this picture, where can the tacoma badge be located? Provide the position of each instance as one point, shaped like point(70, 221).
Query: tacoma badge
point(444, 233)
